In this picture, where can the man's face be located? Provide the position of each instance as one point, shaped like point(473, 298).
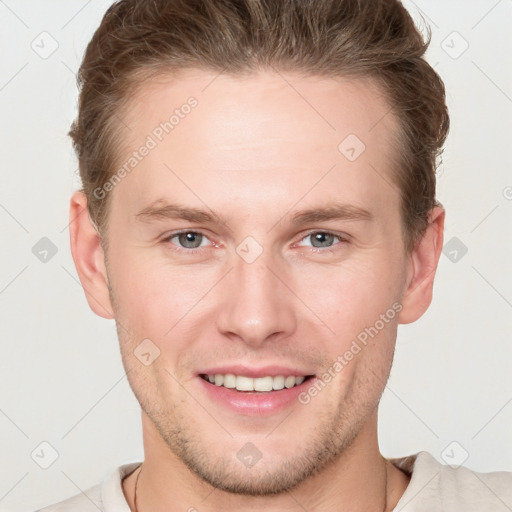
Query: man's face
point(262, 293)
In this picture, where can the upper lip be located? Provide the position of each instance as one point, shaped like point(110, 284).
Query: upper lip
point(264, 371)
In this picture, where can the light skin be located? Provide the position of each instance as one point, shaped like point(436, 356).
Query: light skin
point(255, 152)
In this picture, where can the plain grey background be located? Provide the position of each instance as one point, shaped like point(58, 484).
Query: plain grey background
point(61, 378)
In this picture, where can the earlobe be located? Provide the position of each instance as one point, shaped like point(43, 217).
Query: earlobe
point(422, 262)
point(89, 257)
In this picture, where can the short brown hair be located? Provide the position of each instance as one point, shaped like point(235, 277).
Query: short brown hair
point(374, 39)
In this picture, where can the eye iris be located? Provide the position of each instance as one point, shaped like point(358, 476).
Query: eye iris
point(190, 238)
point(325, 239)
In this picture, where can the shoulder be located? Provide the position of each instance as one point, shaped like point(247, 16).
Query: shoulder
point(106, 496)
point(450, 488)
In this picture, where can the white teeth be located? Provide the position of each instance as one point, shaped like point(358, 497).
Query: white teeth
point(261, 384)
point(289, 382)
point(278, 382)
point(229, 380)
point(244, 383)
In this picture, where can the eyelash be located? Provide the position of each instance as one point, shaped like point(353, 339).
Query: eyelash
point(176, 248)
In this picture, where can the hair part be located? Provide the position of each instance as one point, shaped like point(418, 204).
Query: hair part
point(377, 41)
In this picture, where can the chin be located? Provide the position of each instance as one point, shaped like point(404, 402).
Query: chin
point(261, 467)
point(280, 478)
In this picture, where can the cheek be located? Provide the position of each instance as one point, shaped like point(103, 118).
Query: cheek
point(155, 297)
point(353, 295)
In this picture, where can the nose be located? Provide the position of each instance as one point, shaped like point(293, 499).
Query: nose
point(257, 307)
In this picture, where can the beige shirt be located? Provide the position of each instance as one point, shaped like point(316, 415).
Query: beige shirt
point(433, 487)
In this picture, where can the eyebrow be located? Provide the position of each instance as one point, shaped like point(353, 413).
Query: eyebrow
point(160, 209)
point(331, 212)
point(163, 210)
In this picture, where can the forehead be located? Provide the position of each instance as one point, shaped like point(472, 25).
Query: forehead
point(267, 129)
point(261, 106)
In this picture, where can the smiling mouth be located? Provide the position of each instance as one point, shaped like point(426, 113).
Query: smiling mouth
point(259, 384)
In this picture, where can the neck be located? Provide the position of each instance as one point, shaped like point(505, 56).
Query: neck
point(359, 480)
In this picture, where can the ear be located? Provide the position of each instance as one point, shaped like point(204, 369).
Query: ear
point(422, 265)
point(89, 257)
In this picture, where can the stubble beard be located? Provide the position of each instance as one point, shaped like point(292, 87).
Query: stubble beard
point(330, 439)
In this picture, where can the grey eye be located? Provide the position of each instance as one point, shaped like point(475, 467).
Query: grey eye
point(190, 239)
point(322, 239)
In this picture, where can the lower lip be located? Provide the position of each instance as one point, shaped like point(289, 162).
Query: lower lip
point(254, 403)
